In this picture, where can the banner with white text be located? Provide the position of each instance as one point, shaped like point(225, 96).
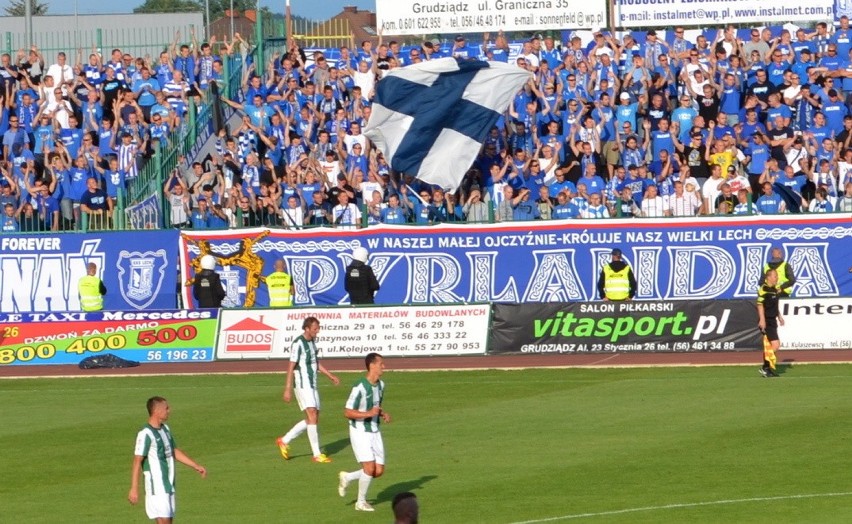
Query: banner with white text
point(41, 272)
point(631, 326)
point(668, 13)
point(403, 331)
point(151, 336)
point(816, 323)
point(419, 17)
point(554, 261)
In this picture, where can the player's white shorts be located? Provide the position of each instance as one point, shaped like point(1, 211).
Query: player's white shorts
point(307, 398)
point(368, 447)
point(160, 506)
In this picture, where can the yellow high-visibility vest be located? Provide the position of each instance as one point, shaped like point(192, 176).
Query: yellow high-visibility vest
point(89, 288)
point(279, 285)
point(782, 274)
point(616, 283)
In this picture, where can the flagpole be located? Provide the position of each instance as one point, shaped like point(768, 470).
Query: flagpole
point(232, 20)
point(612, 17)
point(288, 23)
point(28, 22)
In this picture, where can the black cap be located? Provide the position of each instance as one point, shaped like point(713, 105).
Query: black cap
point(460, 38)
point(616, 252)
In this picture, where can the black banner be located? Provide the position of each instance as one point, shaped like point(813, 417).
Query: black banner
point(580, 327)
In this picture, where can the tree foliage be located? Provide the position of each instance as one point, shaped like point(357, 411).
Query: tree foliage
point(19, 8)
point(218, 7)
point(170, 6)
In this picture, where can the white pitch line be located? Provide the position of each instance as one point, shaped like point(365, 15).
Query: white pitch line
point(685, 505)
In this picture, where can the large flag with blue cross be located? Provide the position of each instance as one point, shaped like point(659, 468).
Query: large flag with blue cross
point(430, 119)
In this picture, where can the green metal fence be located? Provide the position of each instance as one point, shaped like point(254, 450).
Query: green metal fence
point(148, 41)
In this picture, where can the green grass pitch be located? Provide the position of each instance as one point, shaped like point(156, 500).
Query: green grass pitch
point(713, 444)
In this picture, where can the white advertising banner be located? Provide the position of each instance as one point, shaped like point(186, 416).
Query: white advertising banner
point(420, 17)
point(816, 323)
point(666, 13)
point(402, 331)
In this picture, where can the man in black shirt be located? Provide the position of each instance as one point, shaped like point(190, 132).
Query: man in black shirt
point(779, 138)
point(762, 88)
point(694, 155)
point(360, 281)
point(319, 211)
point(341, 187)
point(207, 286)
point(769, 320)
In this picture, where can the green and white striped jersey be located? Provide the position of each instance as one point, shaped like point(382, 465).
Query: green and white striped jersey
point(363, 397)
point(157, 446)
point(304, 354)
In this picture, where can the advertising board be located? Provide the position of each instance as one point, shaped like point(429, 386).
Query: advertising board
point(143, 336)
point(420, 17)
point(355, 332)
point(632, 326)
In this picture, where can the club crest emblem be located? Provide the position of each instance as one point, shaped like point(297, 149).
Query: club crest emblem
point(140, 276)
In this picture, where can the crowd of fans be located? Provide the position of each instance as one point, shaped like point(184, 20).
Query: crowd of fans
point(76, 134)
point(612, 128)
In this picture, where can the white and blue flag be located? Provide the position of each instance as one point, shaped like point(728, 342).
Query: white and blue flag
point(430, 119)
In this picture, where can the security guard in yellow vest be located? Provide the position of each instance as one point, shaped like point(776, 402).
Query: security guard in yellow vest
point(280, 286)
point(616, 281)
point(91, 289)
point(786, 279)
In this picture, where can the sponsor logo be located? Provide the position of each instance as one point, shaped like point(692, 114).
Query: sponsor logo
point(249, 335)
point(614, 329)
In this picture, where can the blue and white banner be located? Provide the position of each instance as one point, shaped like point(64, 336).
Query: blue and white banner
point(145, 214)
point(668, 13)
point(41, 272)
point(556, 261)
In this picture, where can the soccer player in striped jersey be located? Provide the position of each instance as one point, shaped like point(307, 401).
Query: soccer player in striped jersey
point(304, 367)
point(365, 414)
point(155, 456)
